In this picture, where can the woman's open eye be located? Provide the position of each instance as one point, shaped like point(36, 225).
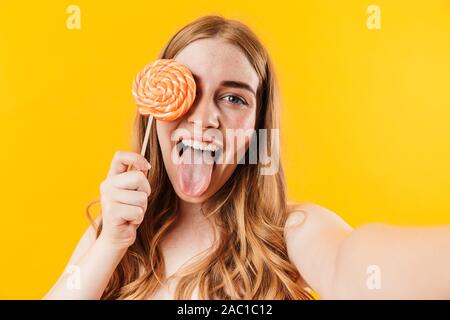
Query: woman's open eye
point(235, 99)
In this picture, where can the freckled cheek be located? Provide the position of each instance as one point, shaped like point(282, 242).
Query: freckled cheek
point(244, 121)
point(164, 132)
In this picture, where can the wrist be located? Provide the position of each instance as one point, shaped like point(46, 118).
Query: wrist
point(107, 246)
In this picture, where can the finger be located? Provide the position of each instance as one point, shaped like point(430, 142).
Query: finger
point(128, 213)
point(123, 159)
point(134, 198)
point(131, 180)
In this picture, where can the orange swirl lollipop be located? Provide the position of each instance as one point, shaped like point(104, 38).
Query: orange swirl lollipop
point(164, 90)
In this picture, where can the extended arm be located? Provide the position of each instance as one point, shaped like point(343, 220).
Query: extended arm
point(374, 261)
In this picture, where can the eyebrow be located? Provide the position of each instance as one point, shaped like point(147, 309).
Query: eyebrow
point(238, 84)
point(231, 84)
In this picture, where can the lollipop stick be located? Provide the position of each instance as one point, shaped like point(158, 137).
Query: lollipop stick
point(145, 142)
point(147, 134)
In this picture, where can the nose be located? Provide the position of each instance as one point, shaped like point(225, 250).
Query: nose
point(204, 113)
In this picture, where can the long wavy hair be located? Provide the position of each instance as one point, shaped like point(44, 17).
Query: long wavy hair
point(249, 259)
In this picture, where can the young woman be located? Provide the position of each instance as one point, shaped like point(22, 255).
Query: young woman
point(225, 230)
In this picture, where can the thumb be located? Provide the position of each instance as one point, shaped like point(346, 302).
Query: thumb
point(147, 170)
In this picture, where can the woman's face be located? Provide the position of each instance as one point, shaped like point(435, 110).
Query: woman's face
point(225, 102)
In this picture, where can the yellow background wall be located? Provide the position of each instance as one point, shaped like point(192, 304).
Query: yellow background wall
point(365, 114)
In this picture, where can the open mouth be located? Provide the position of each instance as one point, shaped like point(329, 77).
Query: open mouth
point(197, 162)
point(209, 151)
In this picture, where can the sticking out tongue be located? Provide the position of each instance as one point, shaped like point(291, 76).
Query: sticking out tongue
point(194, 172)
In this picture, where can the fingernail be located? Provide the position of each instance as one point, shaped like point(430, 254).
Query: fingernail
point(147, 165)
point(295, 219)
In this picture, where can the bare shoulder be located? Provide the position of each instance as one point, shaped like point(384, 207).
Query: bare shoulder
point(313, 234)
point(310, 225)
point(316, 216)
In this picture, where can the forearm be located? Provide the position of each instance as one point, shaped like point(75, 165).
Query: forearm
point(89, 276)
point(385, 262)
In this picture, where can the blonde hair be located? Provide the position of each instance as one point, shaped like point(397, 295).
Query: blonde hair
point(250, 259)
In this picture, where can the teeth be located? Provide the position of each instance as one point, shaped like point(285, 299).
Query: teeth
point(199, 145)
